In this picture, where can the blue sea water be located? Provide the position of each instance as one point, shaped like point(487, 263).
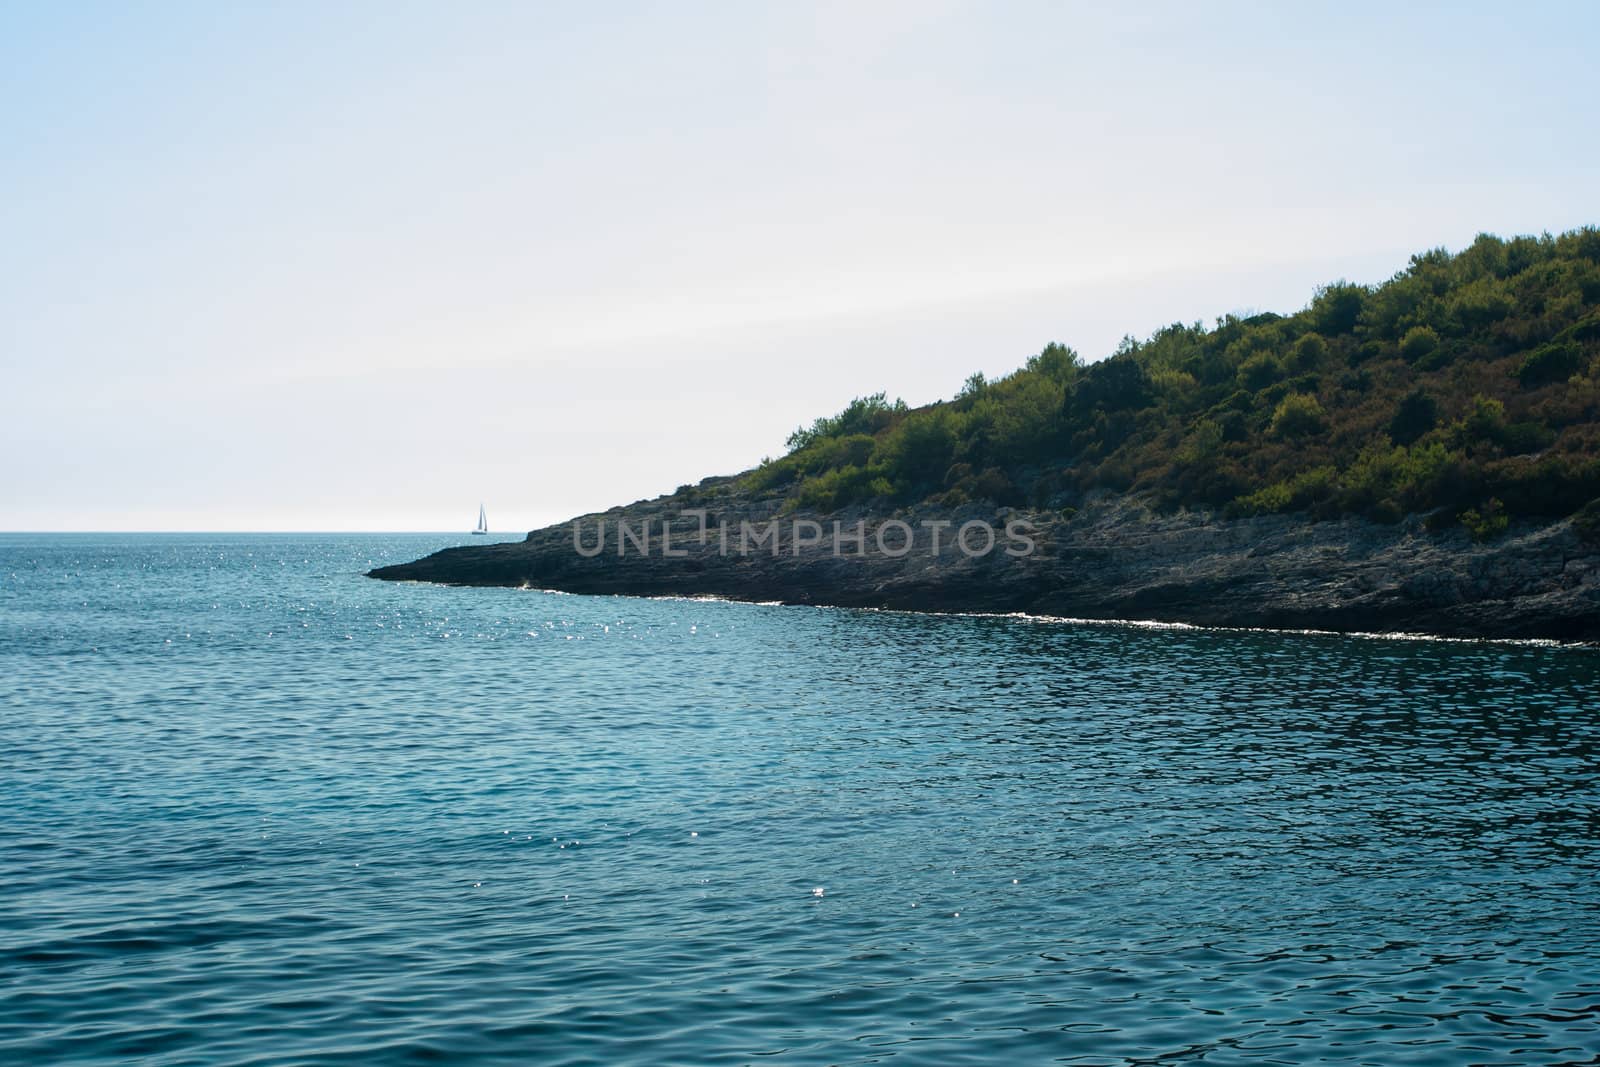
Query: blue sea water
point(257, 808)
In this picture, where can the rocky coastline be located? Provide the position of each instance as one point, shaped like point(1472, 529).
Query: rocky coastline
point(1113, 558)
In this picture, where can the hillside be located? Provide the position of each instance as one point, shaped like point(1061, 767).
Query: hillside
point(1422, 456)
point(1465, 387)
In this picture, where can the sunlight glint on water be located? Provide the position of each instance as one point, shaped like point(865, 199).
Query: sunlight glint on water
point(260, 808)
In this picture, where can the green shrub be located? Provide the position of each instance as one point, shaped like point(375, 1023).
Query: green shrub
point(1296, 494)
point(1551, 486)
point(1022, 414)
point(1486, 421)
point(1204, 440)
point(920, 447)
point(864, 414)
point(826, 453)
point(1438, 359)
point(1485, 524)
point(1418, 342)
point(1172, 381)
point(1553, 362)
point(1418, 413)
point(841, 487)
point(1298, 415)
point(1308, 352)
point(1409, 476)
point(1478, 304)
point(1259, 371)
point(773, 474)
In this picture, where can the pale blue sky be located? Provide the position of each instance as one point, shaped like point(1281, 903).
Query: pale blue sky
point(359, 266)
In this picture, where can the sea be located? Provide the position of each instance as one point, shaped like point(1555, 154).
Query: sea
point(256, 808)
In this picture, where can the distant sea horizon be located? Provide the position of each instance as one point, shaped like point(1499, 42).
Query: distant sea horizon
point(493, 537)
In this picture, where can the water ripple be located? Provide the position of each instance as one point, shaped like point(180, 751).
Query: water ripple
point(262, 810)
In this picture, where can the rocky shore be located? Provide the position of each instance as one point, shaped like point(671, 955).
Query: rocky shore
point(1111, 559)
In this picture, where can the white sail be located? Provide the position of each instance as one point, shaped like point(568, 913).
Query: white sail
point(483, 521)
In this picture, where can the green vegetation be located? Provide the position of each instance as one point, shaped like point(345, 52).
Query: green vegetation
point(1466, 387)
point(1488, 524)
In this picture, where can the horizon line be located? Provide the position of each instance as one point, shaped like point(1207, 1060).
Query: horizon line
point(440, 533)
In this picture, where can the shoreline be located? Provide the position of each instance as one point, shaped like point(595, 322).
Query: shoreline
point(1112, 561)
point(1049, 620)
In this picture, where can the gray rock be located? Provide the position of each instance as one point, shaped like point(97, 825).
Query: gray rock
point(1114, 559)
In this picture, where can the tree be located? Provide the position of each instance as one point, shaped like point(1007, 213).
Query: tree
point(1418, 413)
point(1336, 308)
point(1056, 362)
point(1115, 384)
point(920, 447)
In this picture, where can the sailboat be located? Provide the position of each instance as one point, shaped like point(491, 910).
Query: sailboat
point(483, 522)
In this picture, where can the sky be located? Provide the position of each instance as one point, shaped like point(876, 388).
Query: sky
point(346, 266)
